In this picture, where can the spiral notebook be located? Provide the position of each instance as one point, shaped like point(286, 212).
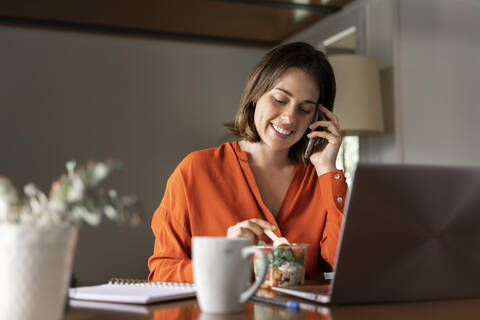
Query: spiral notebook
point(134, 291)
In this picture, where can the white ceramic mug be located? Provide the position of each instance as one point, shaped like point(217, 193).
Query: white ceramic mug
point(222, 272)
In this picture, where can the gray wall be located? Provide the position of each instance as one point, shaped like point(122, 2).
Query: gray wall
point(149, 102)
point(438, 73)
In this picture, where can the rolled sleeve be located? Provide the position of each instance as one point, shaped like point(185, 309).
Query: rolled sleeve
point(333, 192)
point(334, 189)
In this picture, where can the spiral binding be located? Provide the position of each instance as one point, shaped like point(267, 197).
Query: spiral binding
point(146, 283)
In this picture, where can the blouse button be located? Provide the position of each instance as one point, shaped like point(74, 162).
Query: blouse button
point(339, 199)
point(336, 176)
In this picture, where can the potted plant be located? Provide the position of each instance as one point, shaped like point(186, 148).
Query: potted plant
point(38, 236)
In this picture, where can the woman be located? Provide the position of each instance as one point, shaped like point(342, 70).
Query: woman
point(263, 181)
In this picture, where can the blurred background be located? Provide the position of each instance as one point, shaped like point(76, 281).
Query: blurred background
point(148, 82)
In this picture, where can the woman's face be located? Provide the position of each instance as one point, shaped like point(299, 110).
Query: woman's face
point(283, 114)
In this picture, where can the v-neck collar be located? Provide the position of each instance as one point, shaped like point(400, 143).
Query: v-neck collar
point(288, 197)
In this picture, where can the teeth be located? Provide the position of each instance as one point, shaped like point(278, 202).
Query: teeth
point(280, 130)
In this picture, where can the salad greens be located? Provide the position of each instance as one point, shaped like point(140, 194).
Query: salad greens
point(279, 255)
point(285, 265)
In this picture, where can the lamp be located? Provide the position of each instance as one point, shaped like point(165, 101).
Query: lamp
point(358, 103)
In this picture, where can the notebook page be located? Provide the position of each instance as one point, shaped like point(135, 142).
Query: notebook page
point(137, 294)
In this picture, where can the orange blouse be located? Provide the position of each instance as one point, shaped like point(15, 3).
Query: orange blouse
point(213, 189)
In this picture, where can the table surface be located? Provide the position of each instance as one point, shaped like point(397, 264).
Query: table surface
point(189, 309)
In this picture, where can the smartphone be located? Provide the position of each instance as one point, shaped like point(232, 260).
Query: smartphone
point(314, 141)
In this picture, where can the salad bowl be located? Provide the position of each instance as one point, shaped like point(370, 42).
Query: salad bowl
point(286, 265)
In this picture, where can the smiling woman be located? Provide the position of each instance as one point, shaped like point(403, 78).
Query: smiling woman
point(283, 113)
point(264, 181)
point(310, 77)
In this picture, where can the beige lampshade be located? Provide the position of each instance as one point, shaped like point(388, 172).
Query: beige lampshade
point(358, 103)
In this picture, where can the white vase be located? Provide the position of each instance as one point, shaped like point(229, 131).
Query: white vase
point(35, 267)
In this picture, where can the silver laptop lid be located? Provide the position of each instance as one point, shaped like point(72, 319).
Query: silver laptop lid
point(410, 233)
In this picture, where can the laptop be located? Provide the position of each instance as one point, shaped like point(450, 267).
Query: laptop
point(410, 233)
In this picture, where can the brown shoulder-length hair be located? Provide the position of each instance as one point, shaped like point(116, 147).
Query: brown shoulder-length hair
point(297, 54)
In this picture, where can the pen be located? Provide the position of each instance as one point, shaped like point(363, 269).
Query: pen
point(289, 304)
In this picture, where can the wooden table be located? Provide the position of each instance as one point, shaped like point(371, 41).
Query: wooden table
point(188, 309)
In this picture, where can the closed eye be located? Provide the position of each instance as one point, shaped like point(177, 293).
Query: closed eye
point(305, 111)
point(279, 101)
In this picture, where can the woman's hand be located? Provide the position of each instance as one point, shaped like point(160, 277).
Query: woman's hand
point(324, 155)
point(251, 229)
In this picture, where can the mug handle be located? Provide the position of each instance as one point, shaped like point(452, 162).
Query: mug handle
point(246, 252)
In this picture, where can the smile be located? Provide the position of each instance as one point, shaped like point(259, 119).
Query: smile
point(280, 130)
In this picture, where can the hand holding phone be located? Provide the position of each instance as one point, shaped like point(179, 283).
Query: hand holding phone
point(312, 142)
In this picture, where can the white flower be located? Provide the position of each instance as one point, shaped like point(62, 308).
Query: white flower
point(44, 219)
point(71, 168)
point(100, 172)
point(58, 213)
point(112, 193)
point(91, 218)
point(76, 190)
point(36, 205)
point(110, 212)
point(57, 206)
point(74, 198)
point(30, 190)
